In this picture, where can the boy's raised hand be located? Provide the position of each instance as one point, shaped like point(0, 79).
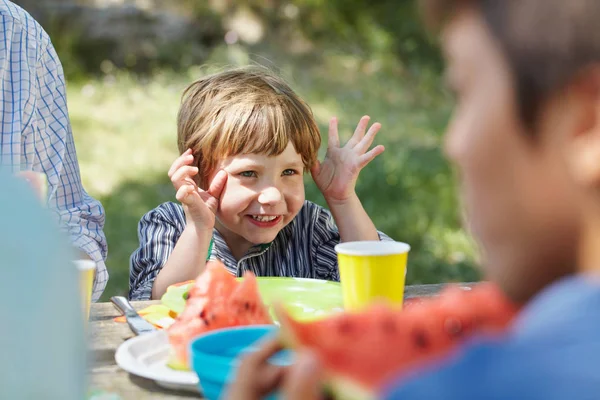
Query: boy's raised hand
point(336, 176)
point(200, 206)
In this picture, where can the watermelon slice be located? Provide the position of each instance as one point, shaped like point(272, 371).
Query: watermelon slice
point(216, 301)
point(360, 351)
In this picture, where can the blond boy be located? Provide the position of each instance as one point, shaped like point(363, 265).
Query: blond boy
point(245, 140)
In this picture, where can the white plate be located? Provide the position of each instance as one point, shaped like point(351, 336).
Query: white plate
point(146, 356)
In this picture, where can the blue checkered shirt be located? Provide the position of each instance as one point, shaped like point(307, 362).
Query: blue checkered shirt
point(36, 132)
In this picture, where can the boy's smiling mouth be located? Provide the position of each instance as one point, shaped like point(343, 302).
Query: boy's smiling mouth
point(264, 218)
point(265, 221)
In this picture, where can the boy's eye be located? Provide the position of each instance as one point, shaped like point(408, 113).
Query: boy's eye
point(290, 172)
point(248, 174)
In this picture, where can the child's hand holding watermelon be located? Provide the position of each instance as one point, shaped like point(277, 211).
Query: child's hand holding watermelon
point(257, 377)
point(360, 351)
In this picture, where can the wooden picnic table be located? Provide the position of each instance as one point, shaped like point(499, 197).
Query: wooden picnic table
point(106, 335)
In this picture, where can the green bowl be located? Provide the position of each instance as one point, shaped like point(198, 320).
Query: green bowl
point(305, 299)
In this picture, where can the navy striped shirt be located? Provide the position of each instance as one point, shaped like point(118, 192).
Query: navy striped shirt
point(304, 248)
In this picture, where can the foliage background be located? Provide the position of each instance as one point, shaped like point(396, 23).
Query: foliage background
point(345, 57)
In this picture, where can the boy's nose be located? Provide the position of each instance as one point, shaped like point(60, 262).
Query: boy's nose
point(270, 195)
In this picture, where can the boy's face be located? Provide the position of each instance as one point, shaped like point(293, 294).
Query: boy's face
point(521, 203)
point(263, 194)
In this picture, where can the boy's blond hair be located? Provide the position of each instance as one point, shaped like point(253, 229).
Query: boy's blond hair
point(244, 111)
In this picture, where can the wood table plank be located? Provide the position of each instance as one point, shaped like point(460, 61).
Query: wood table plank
point(106, 335)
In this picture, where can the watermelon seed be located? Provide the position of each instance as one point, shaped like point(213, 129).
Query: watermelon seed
point(203, 317)
point(420, 339)
point(345, 326)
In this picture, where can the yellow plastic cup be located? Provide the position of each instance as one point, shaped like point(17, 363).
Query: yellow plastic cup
point(372, 270)
point(87, 271)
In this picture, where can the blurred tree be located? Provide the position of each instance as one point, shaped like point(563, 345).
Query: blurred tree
point(137, 36)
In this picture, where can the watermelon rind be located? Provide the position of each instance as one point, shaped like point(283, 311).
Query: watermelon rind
point(345, 389)
point(174, 363)
point(174, 298)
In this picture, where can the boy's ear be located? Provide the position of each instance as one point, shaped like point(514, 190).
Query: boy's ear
point(584, 142)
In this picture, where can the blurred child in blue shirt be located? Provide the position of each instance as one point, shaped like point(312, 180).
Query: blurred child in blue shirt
point(525, 137)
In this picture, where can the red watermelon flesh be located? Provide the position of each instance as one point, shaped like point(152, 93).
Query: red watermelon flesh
point(216, 301)
point(214, 282)
point(245, 308)
point(360, 351)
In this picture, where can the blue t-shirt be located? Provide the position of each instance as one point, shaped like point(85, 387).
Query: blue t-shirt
point(552, 352)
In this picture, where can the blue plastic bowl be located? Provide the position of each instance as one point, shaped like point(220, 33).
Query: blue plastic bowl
point(215, 356)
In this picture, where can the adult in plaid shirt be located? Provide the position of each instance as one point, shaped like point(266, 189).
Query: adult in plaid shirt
point(36, 132)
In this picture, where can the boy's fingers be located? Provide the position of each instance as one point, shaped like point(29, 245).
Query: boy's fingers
point(333, 139)
point(209, 200)
point(258, 358)
point(359, 132)
point(184, 159)
point(370, 155)
point(316, 168)
point(266, 350)
point(255, 383)
point(183, 192)
point(271, 378)
point(257, 378)
point(179, 177)
point(303, 380)
point(367, 140)
point(218, 184)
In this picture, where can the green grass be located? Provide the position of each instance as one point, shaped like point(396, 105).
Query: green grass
point(125, 135)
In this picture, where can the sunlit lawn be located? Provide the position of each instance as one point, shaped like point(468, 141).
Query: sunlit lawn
point(125, 136)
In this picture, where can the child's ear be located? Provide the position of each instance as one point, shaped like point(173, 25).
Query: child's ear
point(584, 143)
